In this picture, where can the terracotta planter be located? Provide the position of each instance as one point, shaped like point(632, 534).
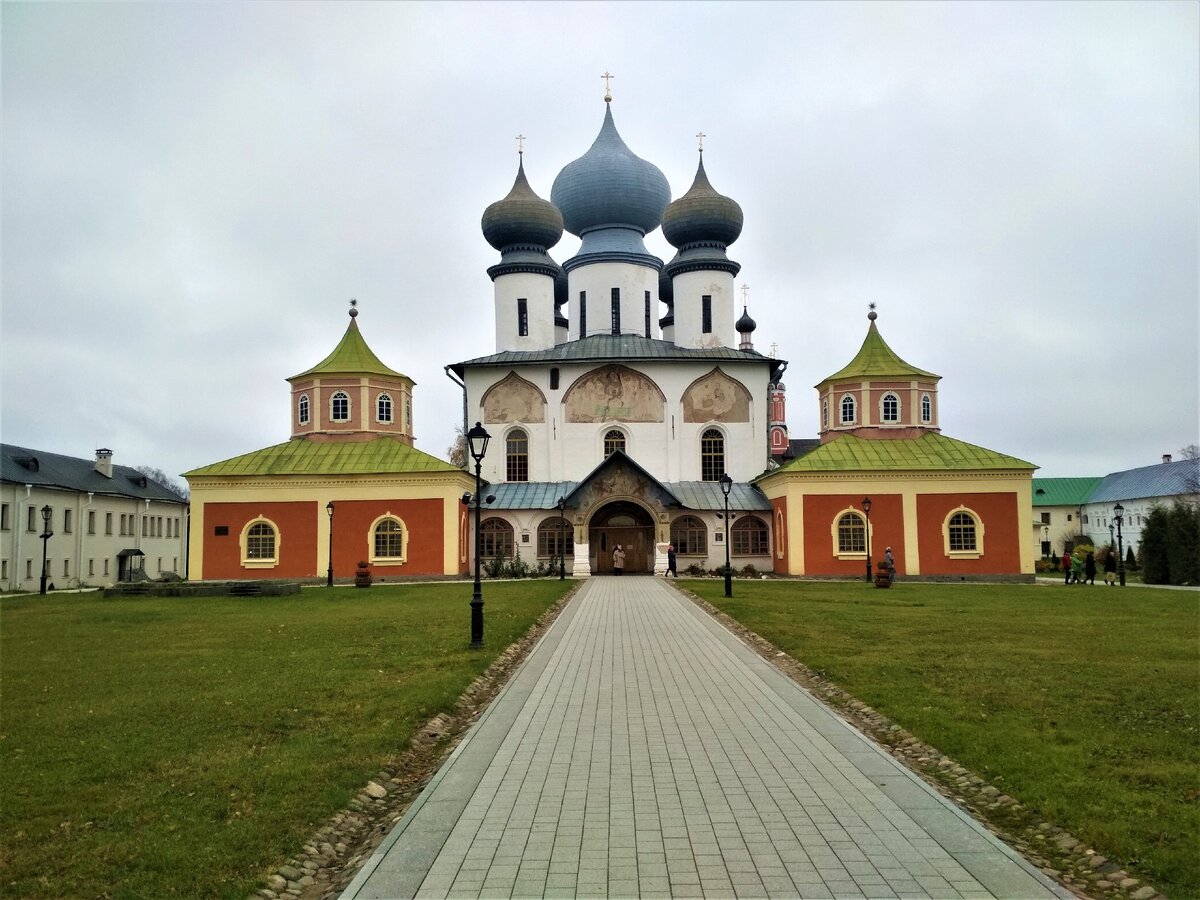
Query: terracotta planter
point(362, 578)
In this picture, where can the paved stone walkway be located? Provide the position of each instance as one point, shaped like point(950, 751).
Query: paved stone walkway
point(642, 750)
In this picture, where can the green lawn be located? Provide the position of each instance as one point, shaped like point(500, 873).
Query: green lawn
point(1081, 702)
point(181, 747)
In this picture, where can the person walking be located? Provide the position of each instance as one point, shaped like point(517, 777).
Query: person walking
point(1110, 567)
point(1076, 569)
point(890, 562)
point(618, 561)
point(1066, 567)
point(672, 571)
point(1089, 569)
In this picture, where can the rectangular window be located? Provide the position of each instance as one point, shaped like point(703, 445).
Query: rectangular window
point(160, 564)
point(159, 532)
point(66, 568)
point(29, 568)
point(706, 313)
point(66, 521)
point(4, 569)
point(1045, 518)
point(31, 519)
point(647, 314)
point(522, 317)
point(108, 523)
point(4, 517)
point(554, 379)
point(91, 567)
point(106, 567)
point(583, 314)
point(616, 310)
point(221, 530)
point(1085, 519)
point(91, 521)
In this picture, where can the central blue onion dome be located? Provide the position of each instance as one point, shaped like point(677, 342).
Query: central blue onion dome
point(702, 215)
point(522, 218)
point(609, 186)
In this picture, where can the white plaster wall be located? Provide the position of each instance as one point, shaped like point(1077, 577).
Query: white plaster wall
point(688, 288)
point(538, 290)
point(598, 279)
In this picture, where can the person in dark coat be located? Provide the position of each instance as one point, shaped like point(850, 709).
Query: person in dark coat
point(1110, 568)
point(618, 561)
point(1066, 564)
point(671, 562)
point(1089, 568)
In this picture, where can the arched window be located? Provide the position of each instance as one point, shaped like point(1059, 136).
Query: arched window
point(517, 455)
point(890, 408)
point(712, 455)
point(495, 539)
point(926, 409)
point(383, 408)
point(339, 407)
point(848, 410)
point(548, 538)
point(961, 530)
point(302, 409)
point(825, 413)
point(260, 544)
point(851, 533)
point(750, 537)
point(388, 541)
point(690, 536)
point(614, 440)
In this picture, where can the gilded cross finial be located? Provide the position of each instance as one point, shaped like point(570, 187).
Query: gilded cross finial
point(700, 136)
point(745, 291)
point(520, 144)
point(774, 349)
point(607, 87)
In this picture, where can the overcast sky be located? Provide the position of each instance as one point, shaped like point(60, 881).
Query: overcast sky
point(193, 191)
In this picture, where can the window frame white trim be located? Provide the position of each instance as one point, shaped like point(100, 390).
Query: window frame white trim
point(303, 410)
point(838, 553)
point(604, 433)
point(243, 540)
point(979, 533)
point(842, 421)
point(883, 420)
point(402, 559)
point(379, 399)
point(349, 407)
point(926, 400)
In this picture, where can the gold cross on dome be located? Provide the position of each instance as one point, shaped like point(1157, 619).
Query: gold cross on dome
point(607, 87)
point(700, 136)
point(520, 143)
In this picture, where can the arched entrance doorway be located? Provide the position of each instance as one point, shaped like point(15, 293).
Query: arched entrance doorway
point(627, 524)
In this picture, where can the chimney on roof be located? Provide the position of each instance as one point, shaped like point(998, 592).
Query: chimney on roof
point(104, 462)
point(1166, 457)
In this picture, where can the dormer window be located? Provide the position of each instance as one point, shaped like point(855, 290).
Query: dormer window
point(848, 410)
point(302, 409)
point(339, 407)
point(890, 409)
point(926, 409)
point(825, 413)
point(383, 409)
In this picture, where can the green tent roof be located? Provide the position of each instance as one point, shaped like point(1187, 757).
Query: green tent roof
point(351, 356)
point(1063, 491)
point(876, 358)
point(301, 456)
point(931, 451)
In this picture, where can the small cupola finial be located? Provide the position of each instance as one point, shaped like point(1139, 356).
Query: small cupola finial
point(872, 315)
point(700, 136)
point(607, 87)
point(520, 145)
point(353, 308)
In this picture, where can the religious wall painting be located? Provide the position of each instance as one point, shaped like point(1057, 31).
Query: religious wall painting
point(716, 397)
point(614, 394)
point(513, 399)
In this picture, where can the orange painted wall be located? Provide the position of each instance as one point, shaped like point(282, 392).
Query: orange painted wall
point(1001, 541)
point(779, 535)
point(887, 529)
point(296, 521)
point(351, 528)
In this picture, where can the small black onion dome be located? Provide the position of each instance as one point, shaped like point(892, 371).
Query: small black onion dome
point(745, 325)
point(702, 215)
point(666, 284)
point(560, 298)
point(522, 218)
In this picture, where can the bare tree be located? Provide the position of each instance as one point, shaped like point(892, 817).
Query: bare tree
point(457, 451)
point(1191, 451)
point(158, 475)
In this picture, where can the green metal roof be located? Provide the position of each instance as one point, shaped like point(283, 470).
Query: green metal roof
point(612, 347)
point(932, 451)
point(351, 356)
point(876, 358)
point(301, 456)
point(1063, 491)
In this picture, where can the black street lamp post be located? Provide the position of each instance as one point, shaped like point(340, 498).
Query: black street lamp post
point(726, 486)
point(329, 574)
point(562, 559)
point(866, 508)
point(45, 536)
point(1118, 517)
point(477, 441)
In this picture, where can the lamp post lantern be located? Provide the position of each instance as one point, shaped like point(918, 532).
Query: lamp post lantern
point(866, 508)
point(329, 574)
point(562, 560)
point(726, 486)
point(1118, 517)
point(477, 441)
point(45, 536)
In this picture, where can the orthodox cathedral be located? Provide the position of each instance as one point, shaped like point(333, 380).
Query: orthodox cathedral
point(626, 405)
